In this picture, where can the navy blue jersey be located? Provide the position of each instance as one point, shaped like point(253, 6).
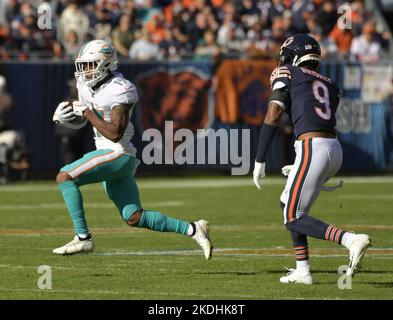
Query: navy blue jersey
point(313, 98)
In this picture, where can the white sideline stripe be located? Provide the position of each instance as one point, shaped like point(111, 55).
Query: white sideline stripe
point(196, 183)
point(224, 252)
point(125, 232)
point(91, 205)
point(156, 184)
point(10, 266)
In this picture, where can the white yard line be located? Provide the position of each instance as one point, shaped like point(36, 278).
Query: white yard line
point(11, 266)
point(195, 183)
point(265, 252)
point(215, 228)
point(222, 252)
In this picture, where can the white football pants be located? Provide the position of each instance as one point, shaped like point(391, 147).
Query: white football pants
point(317, 160)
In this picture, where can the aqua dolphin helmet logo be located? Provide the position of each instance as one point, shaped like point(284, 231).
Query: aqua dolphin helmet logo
point(107, 50)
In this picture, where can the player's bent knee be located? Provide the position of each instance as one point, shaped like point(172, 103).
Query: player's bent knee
point(135, 218)
point(63, 177)
point(297, 225)
point(291, 226)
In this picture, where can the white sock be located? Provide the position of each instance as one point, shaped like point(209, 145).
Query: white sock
point(82, 235)
point(347, 239)
point(190, 230)
point(303, 265)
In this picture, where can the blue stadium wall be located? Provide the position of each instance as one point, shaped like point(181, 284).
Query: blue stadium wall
point(38, 87)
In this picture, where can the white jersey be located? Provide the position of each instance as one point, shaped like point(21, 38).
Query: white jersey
point(115, 91)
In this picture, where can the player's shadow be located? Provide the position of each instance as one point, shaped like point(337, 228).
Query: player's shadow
point(313, 271)
point(233, 273)
point(333, 271)
point(101, 275)
point(382, 284)
point(376, 271)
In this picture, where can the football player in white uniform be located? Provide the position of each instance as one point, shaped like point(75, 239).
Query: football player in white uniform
point(106, 100)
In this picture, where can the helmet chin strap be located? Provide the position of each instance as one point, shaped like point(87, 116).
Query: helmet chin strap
point(90, 82)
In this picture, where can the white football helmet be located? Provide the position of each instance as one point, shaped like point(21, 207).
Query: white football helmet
point(95, 60)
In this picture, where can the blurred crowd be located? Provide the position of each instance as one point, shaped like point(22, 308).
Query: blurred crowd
point(179, 29)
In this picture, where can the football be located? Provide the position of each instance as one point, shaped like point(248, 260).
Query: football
point(78, 119)
point(77, 123)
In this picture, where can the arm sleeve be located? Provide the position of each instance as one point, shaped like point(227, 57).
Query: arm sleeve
point(265, 138)
point(281, 97)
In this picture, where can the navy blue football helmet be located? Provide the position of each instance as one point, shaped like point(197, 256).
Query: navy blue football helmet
point(300, 50)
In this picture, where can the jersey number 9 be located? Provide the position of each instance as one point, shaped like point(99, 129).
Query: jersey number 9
point(321, 93)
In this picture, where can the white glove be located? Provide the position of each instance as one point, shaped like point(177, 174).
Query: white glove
point(259, 173)
point(63, 113)
point(286, 170)
point(79, 108)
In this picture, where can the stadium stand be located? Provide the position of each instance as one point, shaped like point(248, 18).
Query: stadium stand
point(189, 29)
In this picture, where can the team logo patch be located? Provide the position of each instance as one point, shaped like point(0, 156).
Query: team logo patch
point(287, 42)
point(107, 50)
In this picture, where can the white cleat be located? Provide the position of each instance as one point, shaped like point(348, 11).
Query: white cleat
point(356, 252)
point(76, 246)
point(295, 276)
point(202, 237)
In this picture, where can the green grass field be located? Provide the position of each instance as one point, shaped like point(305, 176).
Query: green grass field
point(251, 244)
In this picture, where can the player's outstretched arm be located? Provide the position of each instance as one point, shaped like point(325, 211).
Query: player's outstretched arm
point(274, 113)
point(114, 129)
point(268, 130)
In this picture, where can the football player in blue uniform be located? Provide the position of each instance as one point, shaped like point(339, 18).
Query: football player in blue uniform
point(311, 100)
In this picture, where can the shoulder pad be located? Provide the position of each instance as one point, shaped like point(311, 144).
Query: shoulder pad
point(123, 91)
point(280, 72)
